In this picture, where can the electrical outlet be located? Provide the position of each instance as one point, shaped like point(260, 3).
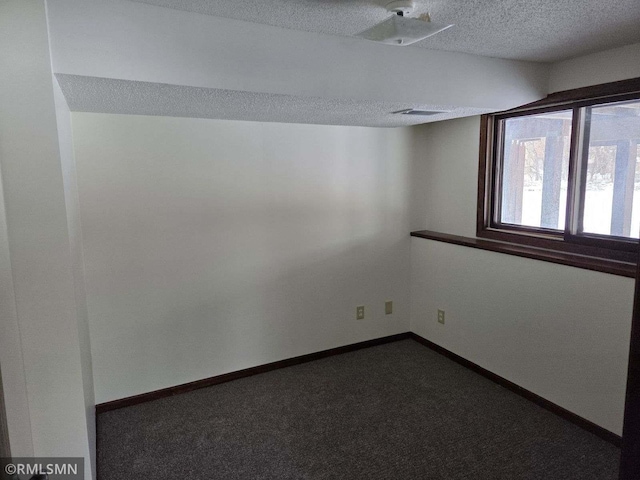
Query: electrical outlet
point(360, 312)
point(388, 308)
point(441, 316)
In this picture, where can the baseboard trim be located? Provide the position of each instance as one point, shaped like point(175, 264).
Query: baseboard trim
point(523, 392)
point(247, 372)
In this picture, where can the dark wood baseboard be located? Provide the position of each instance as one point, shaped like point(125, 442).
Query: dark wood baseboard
point(247, 372)
point(537, 399)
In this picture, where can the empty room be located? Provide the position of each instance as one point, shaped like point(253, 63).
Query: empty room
point(319, 239)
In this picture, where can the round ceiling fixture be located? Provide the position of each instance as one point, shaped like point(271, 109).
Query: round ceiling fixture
point(400, 29)
point(401, 7)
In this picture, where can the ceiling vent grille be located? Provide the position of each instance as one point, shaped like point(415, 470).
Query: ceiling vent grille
point(411, 111)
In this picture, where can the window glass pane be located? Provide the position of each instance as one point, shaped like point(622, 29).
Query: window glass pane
point(612, 201)
point(535, 170)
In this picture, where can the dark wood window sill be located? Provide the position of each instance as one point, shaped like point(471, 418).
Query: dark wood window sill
point(598, 264)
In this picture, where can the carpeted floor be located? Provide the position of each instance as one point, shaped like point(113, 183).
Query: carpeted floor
point(395, 411)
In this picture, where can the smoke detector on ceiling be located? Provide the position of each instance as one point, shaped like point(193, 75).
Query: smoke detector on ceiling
point(399, 29)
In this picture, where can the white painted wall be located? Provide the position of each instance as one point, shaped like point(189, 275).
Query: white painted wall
point(13, 374)
point(42, 314)
point(67, 160)
point(560, 332)
point(212, 246)
point(136, 41)
point(601, 67)
point(445, 176)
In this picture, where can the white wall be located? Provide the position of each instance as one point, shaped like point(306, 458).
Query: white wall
point(67, 161)
point(560, 332)
point(36, 246)
point(13, 374)
point(601, 67)
point(445, 176)
point(212, 246)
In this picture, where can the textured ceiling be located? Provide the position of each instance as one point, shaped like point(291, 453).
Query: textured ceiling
point(537, 30)
point(104, 95)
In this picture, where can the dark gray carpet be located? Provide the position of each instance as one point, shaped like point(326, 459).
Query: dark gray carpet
point(396, 411)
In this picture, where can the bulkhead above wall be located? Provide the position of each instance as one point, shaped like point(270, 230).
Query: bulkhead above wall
point(125, 55)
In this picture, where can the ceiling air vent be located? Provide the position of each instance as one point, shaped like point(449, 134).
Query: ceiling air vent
point(411, 111)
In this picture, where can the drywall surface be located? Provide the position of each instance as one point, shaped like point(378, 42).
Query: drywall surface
point(445, 176)
point(37, 241)
point(212, 246)
point(67, 161)
point(559, 331)
point(602, 67)
point(13, 375)
point(146, 43)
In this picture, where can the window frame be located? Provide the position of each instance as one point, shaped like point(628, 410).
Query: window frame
point(571, 239)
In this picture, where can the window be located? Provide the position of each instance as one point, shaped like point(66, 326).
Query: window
point(563, 174)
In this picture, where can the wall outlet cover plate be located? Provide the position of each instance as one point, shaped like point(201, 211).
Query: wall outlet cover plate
point(388, 308)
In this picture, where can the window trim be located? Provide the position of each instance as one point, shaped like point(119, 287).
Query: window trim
point(591, 245)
